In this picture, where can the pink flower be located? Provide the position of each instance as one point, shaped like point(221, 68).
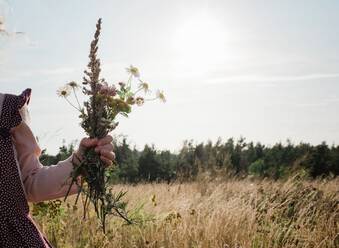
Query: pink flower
point(105, 89)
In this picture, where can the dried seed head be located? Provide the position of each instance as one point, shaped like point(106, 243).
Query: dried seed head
point(73, 84)
point(161, 96)
point(131, 100)
point(122, 84)
point(140, 101)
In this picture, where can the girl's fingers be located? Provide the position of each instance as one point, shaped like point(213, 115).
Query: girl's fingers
point(106, 140)
point(87, 142)
point(107, 154)
point(104, 147)
point(107, 147)
point(106, 161)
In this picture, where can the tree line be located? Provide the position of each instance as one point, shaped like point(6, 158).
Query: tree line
point(230, 158)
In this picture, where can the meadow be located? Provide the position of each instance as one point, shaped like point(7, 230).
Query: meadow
point(206, 213)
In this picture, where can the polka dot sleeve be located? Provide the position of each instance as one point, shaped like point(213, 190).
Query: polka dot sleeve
point(17, 229)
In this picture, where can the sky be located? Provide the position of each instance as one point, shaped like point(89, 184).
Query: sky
point(264, 70)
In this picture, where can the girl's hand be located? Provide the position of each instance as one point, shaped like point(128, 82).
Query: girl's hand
point(102, 146)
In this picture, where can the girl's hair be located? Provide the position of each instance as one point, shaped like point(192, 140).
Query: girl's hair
point(25, 114)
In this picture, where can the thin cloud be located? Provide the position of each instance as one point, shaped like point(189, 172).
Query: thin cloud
point(311, 105)
point(263, 78)
point(14, 76)
point(3, 28)
point(332, 100)
point(57, 71)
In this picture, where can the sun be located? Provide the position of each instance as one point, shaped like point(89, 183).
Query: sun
point(199, 42)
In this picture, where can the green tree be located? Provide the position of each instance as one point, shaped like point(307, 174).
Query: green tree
point(258, 168)
point(127, 161)
point(318, 161)
point(149, 167)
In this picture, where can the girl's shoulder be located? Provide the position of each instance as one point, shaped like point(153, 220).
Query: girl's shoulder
point(13, 117)
point(10, 106)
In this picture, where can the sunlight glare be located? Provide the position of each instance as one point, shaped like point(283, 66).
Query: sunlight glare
point(199, 43)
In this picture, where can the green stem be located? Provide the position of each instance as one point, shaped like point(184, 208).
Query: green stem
point(151, 99)
point(76, 97)
point(137, 90)
point(129, 81)
point(72, 104)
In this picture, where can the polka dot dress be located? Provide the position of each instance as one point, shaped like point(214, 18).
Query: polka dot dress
point(17, 228)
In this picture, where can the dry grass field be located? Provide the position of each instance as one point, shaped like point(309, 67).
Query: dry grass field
point(209, 214)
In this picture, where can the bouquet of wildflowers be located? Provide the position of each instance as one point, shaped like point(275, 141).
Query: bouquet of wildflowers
point(98, 116)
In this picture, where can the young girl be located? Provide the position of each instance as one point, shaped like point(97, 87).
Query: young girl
point(23, 178)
